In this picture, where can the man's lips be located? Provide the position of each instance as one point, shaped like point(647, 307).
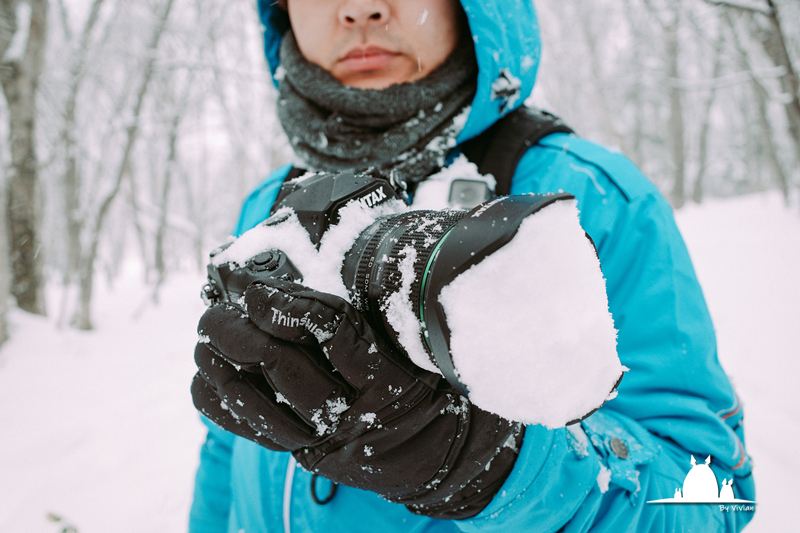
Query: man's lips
point(369, 58)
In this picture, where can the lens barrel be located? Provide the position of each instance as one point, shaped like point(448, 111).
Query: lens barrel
point(446, 244)
point(371, 269)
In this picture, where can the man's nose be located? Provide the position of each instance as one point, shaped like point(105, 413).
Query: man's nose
point(364, 12)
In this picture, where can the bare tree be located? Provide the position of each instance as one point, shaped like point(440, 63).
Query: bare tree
point(20, 69)
point(5, 271)
point(705, 128)
point(71, 179)
point(169, 172)
point(760, 96)
point(89, 252)
point(768, 27)
point(669, 19)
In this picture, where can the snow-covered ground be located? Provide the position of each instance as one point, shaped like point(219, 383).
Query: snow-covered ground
point(746, 252)
point(98, 428)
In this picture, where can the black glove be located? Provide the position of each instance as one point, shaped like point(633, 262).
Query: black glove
point(302, 371)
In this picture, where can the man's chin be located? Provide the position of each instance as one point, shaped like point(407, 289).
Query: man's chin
point(378, 79)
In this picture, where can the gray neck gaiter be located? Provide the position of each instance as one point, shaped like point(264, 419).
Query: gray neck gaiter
point(407, 127)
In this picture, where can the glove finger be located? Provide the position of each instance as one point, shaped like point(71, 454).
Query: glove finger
point(301, 374)
point(349, 343)
point(207, 402)
point(231, 332)
point(248, 396)
point(292, 312)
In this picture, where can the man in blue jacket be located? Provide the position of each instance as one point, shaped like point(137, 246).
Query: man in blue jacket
point(400, 84)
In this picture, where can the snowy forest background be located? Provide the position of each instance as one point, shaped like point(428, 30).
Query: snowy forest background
point(140, 125)
point(131, 130)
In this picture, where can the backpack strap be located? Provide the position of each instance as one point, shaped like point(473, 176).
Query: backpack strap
point(497, 150)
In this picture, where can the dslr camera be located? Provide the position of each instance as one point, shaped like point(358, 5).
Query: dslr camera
point(447, 242)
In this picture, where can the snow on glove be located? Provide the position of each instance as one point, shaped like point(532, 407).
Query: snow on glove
point(302, 371)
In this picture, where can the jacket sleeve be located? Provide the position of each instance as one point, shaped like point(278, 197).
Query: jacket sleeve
point(212, 490)
point(675, 401)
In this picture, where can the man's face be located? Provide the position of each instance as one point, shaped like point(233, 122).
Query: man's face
point(372, 44)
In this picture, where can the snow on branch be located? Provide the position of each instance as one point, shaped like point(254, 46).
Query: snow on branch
point(744, 6)
point(728, 80)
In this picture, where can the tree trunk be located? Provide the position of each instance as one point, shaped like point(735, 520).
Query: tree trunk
point(775, 45)
point(676, 122)
point(72, 179)
point(161, 230)
point(773, 40)
point(705, 128)
point(84, 319)
point(171, 164)
point(762, 99)
point(20, 78)
point(5, 271)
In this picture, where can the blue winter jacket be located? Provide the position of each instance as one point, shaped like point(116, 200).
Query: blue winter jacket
point(675, 402)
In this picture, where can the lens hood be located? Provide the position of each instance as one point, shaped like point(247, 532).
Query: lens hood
point(481, 232)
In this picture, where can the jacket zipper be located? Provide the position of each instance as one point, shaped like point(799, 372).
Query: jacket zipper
point(287, 495)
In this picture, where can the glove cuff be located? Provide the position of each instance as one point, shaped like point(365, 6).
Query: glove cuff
point(485, 461)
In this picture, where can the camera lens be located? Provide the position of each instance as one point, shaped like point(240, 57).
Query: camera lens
point(371, 269)
point(443, 244)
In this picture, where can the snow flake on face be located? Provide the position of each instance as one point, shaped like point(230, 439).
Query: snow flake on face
point(506, 88)
point(422, 17)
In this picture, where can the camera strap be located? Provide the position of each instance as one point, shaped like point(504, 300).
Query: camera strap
point(497, 150)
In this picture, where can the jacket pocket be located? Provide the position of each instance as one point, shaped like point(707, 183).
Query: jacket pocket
point(622, 447)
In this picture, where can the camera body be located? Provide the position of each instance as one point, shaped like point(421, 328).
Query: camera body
point(397, 269)
point(445, 244)
point(316, 199)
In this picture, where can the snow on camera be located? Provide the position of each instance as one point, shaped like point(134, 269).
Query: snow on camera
point(532, 338)
point(531, 334)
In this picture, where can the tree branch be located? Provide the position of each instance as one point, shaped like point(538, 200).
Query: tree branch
point(749, 8)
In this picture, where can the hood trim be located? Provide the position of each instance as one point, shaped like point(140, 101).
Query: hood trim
point(506, 38)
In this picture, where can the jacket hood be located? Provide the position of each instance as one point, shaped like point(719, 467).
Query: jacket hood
point(507, 45)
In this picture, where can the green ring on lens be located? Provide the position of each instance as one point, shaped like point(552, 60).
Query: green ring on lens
point(424, 286)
